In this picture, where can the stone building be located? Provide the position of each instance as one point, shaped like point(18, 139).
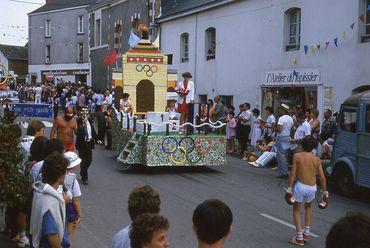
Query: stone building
point(111, 23)
point(58, 41)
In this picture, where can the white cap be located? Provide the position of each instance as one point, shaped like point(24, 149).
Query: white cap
point(73, 159)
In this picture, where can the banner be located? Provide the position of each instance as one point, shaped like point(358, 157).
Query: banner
point(33, 110)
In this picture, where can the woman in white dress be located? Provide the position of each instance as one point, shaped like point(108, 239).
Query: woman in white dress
point(257, 123)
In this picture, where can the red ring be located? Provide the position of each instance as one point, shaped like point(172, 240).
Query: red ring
point(197, 144)
point(154, 67)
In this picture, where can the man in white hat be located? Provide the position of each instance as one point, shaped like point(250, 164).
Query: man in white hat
point(73, 209)
point(284, 125)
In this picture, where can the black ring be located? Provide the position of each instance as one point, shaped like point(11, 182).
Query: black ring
point(188, 149)
point(146, 66)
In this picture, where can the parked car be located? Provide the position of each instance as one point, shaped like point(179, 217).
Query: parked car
point(350, 162)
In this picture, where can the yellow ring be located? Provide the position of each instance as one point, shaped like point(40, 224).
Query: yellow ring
point(6, 73)
point(179, 162)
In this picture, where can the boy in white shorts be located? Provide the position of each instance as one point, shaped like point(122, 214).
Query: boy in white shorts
point(304, 170)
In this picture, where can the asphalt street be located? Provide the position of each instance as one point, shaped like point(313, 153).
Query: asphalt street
point(261, 216)
point(256, 197)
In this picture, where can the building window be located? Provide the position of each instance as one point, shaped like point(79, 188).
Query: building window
point(47, 55)
point(118, 36)
point(48, 28)
point(135, 22)
point(97, 32)
point(184, 50)
point(349, 120)
point(365, 11)
point(80, 25)
point(211, 43)
point(293, 29)
point(367, 123)
point(227, 99)
point(80, 52)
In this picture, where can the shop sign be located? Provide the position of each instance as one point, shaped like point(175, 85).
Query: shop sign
point(292, 77)
point(66, 72)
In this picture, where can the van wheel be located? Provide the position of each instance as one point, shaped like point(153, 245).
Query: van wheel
point(344, 180)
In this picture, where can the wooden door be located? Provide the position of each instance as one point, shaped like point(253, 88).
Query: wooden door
point(145, 96)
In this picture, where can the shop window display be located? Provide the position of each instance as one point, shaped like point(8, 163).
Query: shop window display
point(304, 97)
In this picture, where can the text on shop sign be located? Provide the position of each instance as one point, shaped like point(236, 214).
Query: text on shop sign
point(293, 77)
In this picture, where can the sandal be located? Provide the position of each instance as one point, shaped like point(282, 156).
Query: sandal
point(296, 241)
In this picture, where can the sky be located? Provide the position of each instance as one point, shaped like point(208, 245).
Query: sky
point(14, 20)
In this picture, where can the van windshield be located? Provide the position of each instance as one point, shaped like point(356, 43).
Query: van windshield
point(349, 119)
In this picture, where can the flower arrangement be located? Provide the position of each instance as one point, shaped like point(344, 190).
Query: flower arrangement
point(182, 92)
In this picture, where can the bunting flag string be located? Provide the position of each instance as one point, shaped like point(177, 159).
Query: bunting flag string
point(336, 42)
point(344, 35)
point(327, 45)
point(362, 18)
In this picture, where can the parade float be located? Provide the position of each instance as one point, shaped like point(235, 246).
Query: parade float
point(147, 136)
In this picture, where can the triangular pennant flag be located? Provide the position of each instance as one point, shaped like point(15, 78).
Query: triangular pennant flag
point(134, 40)
point(318, 47)
point(305, 49)
point(312, 48)
point(362, 18)
point(344, 35)
point(327, 44)
point(352, 25)
point(336, 42)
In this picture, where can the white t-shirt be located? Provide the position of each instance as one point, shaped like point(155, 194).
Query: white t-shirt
point(26, 144)
point(74, 99)
point(122, 239)
point(38, 91)
point(109, 100)
point(302, 131)
point(247, 116)
point(72, 184)
point(270, 121)
point(287, 122)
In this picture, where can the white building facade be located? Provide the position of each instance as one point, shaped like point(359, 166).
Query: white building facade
point(271, 51)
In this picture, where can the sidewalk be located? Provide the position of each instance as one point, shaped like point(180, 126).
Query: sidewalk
point(6, 242)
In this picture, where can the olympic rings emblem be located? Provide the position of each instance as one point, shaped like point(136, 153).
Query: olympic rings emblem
point(181, 151)
point(149, 70)
point(198, 145)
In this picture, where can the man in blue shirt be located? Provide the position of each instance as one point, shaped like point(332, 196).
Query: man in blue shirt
point(141, 200)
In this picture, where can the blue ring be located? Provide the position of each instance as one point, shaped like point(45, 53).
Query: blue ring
point(164, 149)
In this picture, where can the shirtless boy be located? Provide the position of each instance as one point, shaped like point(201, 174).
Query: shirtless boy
point(65, 126)
point(305, 168)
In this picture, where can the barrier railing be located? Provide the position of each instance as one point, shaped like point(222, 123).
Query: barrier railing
point(148, 125)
